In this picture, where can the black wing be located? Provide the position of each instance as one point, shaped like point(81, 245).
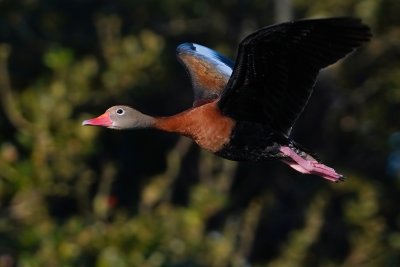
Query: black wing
point(276, 68)
point(209, 71)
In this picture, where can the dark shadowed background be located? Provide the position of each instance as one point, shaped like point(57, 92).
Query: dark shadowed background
point(85, 196)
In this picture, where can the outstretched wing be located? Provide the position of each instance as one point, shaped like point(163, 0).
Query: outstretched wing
point(209, 71)
point(276, 68)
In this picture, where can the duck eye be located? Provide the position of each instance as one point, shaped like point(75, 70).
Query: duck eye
point(120, 111)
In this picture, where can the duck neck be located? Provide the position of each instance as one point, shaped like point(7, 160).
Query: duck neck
point(146, 121)
point(178, 123)
point(138, 120)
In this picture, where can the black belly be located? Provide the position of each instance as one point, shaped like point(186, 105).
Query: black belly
point(253, 142)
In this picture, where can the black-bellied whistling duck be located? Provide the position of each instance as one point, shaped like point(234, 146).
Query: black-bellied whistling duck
point(245, 111)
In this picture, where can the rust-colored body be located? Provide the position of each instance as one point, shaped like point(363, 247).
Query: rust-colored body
point(204, 124)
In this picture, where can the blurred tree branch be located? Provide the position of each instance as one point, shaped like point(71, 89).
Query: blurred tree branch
point(7, 98)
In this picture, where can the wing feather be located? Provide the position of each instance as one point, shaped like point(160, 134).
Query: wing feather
point(209, 71)
point(276, 68)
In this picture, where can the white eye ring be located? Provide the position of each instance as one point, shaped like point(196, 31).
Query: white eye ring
point(120, 111)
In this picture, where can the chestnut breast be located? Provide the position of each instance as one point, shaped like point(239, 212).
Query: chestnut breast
point(204, 124)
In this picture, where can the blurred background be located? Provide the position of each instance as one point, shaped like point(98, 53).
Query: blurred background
point(86, 196)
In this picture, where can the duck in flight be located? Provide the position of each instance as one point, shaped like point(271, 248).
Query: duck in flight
point(245, 110)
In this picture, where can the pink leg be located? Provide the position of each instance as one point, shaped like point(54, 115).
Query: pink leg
point(309, 166)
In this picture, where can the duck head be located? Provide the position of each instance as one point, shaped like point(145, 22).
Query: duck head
point(121, 117)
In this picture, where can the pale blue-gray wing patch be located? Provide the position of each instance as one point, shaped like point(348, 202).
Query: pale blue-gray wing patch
point(209, 71)
point(222, 63)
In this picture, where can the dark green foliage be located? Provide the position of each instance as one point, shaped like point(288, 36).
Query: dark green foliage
point(79, 196)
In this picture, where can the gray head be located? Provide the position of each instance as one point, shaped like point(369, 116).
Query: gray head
point(121, 117)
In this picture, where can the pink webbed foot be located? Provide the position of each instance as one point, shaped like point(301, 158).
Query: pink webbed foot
point(309, 165)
